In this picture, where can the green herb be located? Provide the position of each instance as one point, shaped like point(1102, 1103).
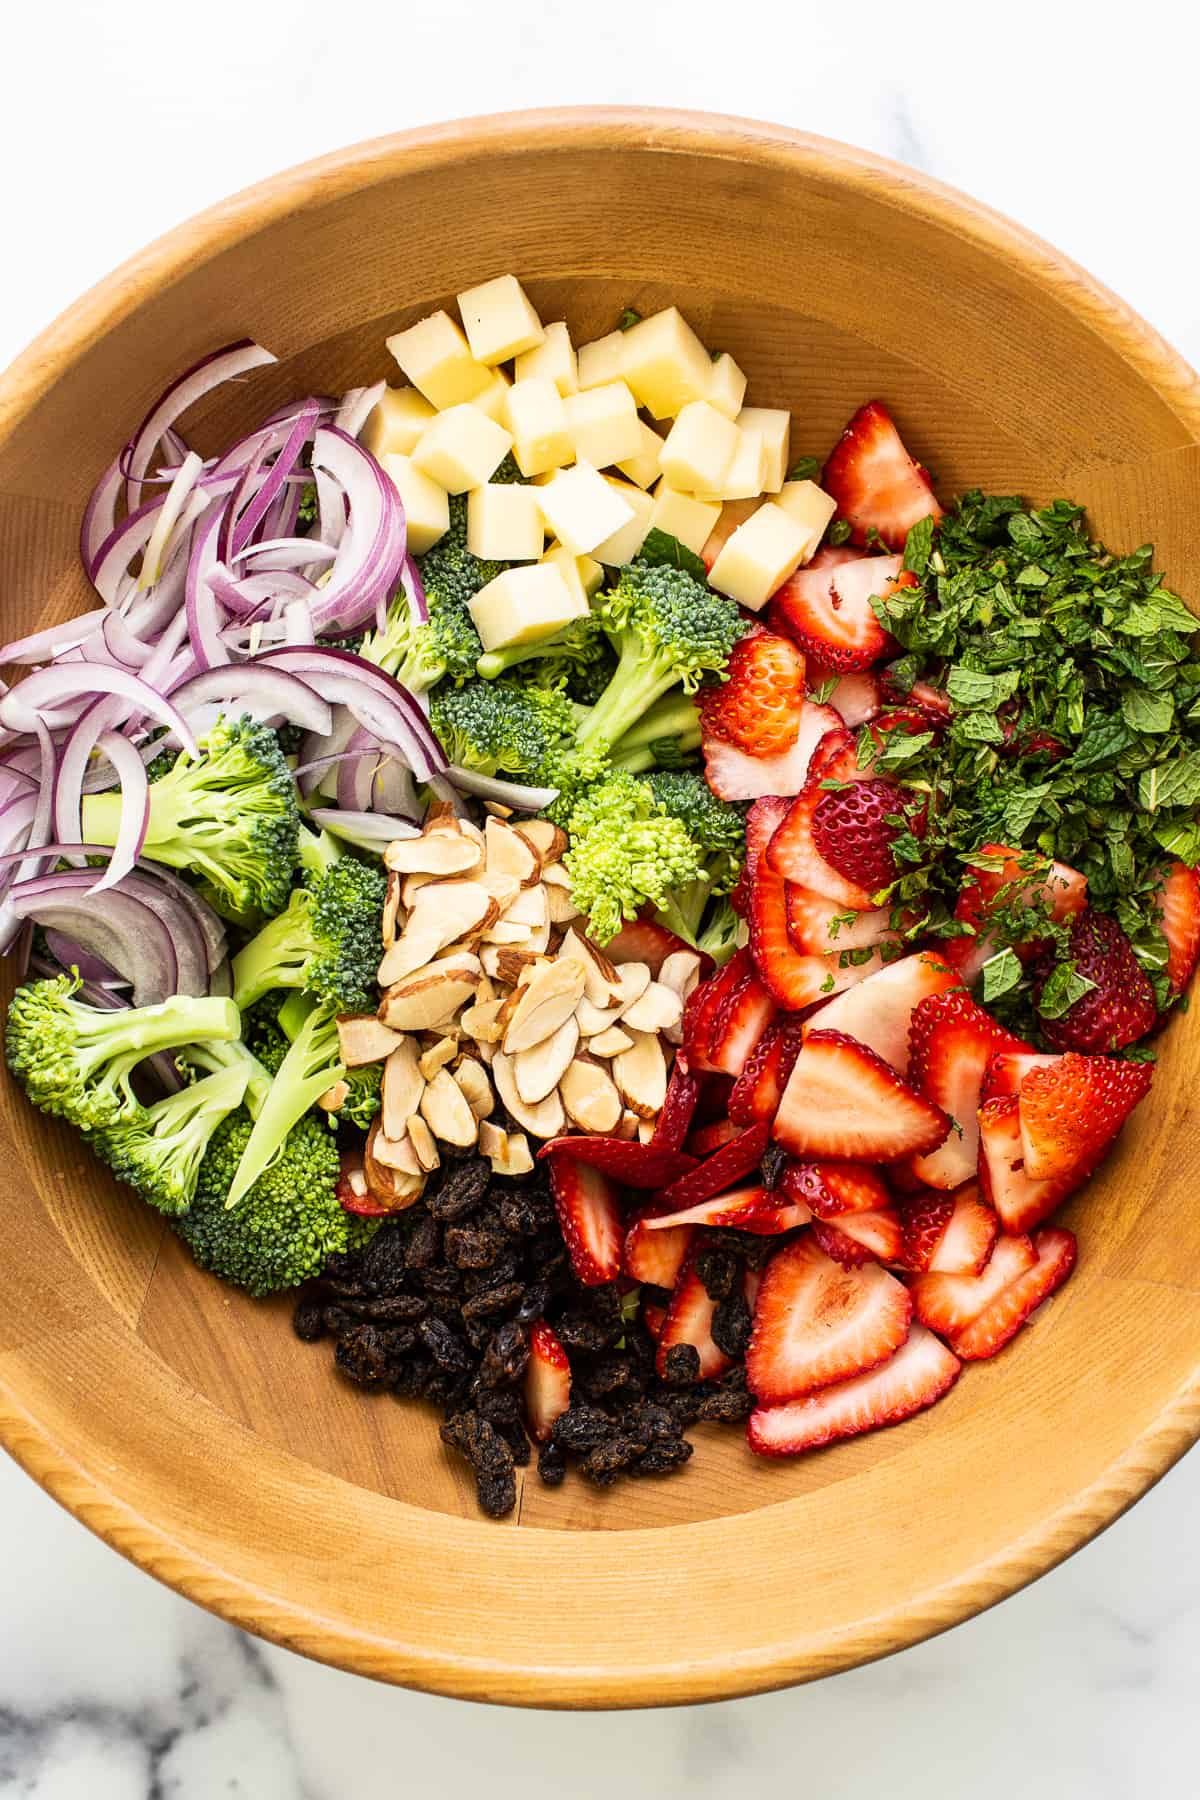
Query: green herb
point(660, 547)
point(1001, 973)
point(628, 319)
point(1064, 987)
point(806, 468)
point(840, 532)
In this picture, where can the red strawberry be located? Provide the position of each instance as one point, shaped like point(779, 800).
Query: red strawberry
point(689, 1321)
point(653, 1256)
point(875, 481)
point(756, 1208)
point(589, 1217)
point(951, 1042)
point(828, 612)
point(1120, 1007)
point(759, 1088)
point(705, 1006)
point(851, 830)
point(1016, 878)
point(736, 774)
point(835, 757)
point(845, 1251)
point(710, 1137)
point(815, 1323)
point(933, 704)
point(794, 980)
point(969, 1237)
point(819, 927)
point(719, 1171)
point(757, 706)
point(763, 819)
point(1019, 1201)
point(856, 697)
point(919, 1373)
point(998, 1322)
point(844, 1101)
point(645, 940)
point(923, 1221)
point(1179, 915)
point(850, 1187)
point(353, 1193)
point(547, 1381)
point(745, 1011)
point(860, 1236)
point(683, 1095)
point(949, 1303)
point(793, 851)
point(653, 1318)
point(879, 1012)
point(1071, 1112)
point(633, 1164)
point(1005, 1073)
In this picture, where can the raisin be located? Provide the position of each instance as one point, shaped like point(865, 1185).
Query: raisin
point(424, 1245)
point(731, 1324)
point(726, 1406)
point(576, 1332)
point(383, 1262)
point(523, 1214)
point(609, 1458)
point(581, 1427)
point(552, 1464)
point(497, 1494)
point(447, 1350)
point(363, 1355)
point(472, 1246)
point(774, 1162)
point(606, 1374)
point(660, 1459)
point(717, 1269)
point(442, 1280)
point(681, 1365)
point(460, 1191)
point(506, 1356)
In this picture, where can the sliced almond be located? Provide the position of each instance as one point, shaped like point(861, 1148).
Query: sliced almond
point(538, 1071)
point(441, 816)
point(394, 1188)
point(681, 971)
point(394, 1153)
point(594, 1019)
point(445, 1110)
point(503, 888)
point(486, 1053)
point(633, 978)
point(560, 906)
point(610, 1043)
point(435, 853)
point(437, 1056)
point(659, 1008)
point(627, 1125)
point(335, 1097)
point(410, 885)
point(590, 1097)
point(511, 964)
point(531, 908)
point(545, 1120)
point(472, 1078)
point(424, 1145)
point(481, 1021)
point(430, 996)
point(548, 998)
point(548, 840)
point(497, 809)
point(403, 1085)
point(508, 853)
point(555, 875)
point(362, 1039)
point(641, 1075)
point(539, 938)
point(505, 932)
point(391, 911)
point(645, 1130)
point(516, 1158)
point(492, 1139)
point(600, 977)
point(446, 912)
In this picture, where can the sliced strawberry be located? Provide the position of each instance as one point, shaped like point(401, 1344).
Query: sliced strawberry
point(689, 1321)
point(1179, 915)
point(653, 1318)
point(547, 1382)
point(710, 1137)
point(353, 1192)
point(875, 481)
point(1071, 1112)
point(735, 774)
point(844, 1101)
point(794, 980)
point(1005, 1072)
point(815, 1323)
point(850, 1187)
point(951, 1043)
point(853, 828)
point(845, 1251)
point(753, 1208)
point(718, 1171)
point(948, 1303)
point(856, 697)
point(705, 1008)
point(933, 703)
point(683, 1096)
point(654, 1256)
point(879, 1012)
point(745, 1011)
point(589, 1216)
point(828, 612)
point(1120, 1006)
point(645, 940)
point(924, 1218)
point(763, 819)
point(919, 1373)
point(969, 1237)
point(759, 1088)
point(999, 877)
point(793, 851)
point(633, 1164)
point(1000, 1321)
point(757, 706)
point(818, 927)
point(857, 1237)
point(1019, 1201)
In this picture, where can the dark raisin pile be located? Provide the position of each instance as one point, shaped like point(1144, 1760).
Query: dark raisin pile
point(439, 1306)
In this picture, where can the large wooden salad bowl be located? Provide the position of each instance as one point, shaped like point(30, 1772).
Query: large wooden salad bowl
point(185, 1424)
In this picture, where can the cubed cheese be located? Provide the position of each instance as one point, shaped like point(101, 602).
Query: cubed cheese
point(727, 386)
point(759, 556)
point(504, 523)
point(435, 356)
point(499, 319)
point(627, 540)
point(494, 399)
point(461, 448)
point(685, 518)
point(582, 509)
point(604, 424)
point(536, 415)
point(811, 507)
point(601, 360)
point(665, 363)
point(774, 425)
point(396, 421)
point(582, 574)
point(522, 605)
point(553, 359)
point(643, 468)
point(745, 477)
point(426, 506)
point(700, 447)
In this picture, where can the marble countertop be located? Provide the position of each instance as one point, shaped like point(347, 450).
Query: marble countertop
point(120, 122)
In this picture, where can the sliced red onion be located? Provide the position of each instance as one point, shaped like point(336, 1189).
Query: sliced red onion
point(508, 793)
point(287, 552)
point(356, 775)
point(124, 645)
point(100, 518)
point(246, 596)
point(192, 385)
point(414, 587)
point(258, 688)
point(366, 830)
point(204, 613)
point(395, 790)
point(110, 567)
point(43, 815)
point(116, 926)
point(377, 700)
point(316, 750)
point(373, 547)
point(443, 788)
point(54, 640)
point(91, 967)
point(135, 808)
point(171, 513)
point(208, 922)
point(289, 454)
point(357, 406)
point(38, 694)
point(297, 623)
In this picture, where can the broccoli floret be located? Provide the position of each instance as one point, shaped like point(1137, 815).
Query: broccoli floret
point(159, 1150)
point(317, 851)
point(668, 630)
point(365, 1097)
point(288, 1223)
point(307, 513)
point(626, 851)
point(552, 661)
point(504, 727)
point(231, 819)
point(447, 645)
point(719, 936)
point(326, 940)
point(312, 1064)
point(76, 1061)
point(664, 737)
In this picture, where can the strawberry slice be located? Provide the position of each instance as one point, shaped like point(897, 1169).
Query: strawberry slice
point(757, 706)
point(879, 1012)
point(679, 1106)
point(710, 1137)
point(828, 612)
point(843, 1101)
point(1000, 1321)
point(1000, 877)
point(932, 703)
point(860, 1237)
point(653, 1318)
point(1120, 1006)
point(706, 1005)
point(738, 1022)
point(654, 1256)
point(856, 697)
point(951, 1042)
point(589, 1217)
point(689, 1321)
point(920, 1372)
point(645, 940)
point(816, 1323)
point(1005, 1072)
point(1179, 916)
point(853, 829)
point(1071, 1112)
point(1019, 1201)
point(735, 774)
point(793, 851)
point(793, 979)
point(634, 1165)
point(876, 483)
point(849, 1187)
point(757, 1209)
point(759, 1088)
point(835, 757)
point(969, 1237)
point(719, 1171)
point(818, 927)
point(547, 1382)
point(949, 1303)
point(923, 1220)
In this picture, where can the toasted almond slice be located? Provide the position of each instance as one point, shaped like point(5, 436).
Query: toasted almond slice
point(658, 1009)
point(590, 1096)
point(434, 853)
point(436, 1056)
point(362, 1039)
point(335, 1097)
point(548, 840)
point(391, 1187)
point(502, 887)
point(505, 932)
point(441, 816)
point(446, 912)
point(481, 1021)
point(627, 1125)
point(403, 1085)
point(394, 1153)
point(445, 1110)
point(610, 1043)
point(509, 964)
point(508, 853)
point(645, 1130)
point(531, 907)
point(390, 917)
point(641, 1075)
point(497, 809)
point(472, 1078)
point(594, 1019)
point(560, 906)
point(544, 1120)
point(538, 1071)
point(430, 996)
point(422, 1140)
point(555, 875)
point(600, 977)
point(410, 886)
point(486, 1053)
point(539, 938)
point(633, 978)
point(681, 971)
point(492, 1139)
point(548, 998)
point(517, 1158)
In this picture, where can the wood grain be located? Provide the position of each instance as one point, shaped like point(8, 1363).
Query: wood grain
point(185, 1423)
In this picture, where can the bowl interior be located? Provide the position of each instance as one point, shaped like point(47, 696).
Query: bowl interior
point(186, 1421)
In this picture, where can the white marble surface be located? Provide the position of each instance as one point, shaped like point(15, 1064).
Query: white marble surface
point(117, 122)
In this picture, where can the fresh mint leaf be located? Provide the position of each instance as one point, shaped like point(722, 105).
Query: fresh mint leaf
point(1064, 987)
point(975, 687)
point(1170, 784)
point(840, 532)
point(1022, 809)
point(1180, 838)
point(1145, 711)
point(805, 468)
point(628, 319)
point(823, 691)
point(1001, 973)
point(1103, 739)
point(918, 547)
point(660, 548)
point(980, 728)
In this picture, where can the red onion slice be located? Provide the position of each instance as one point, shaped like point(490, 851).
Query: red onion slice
point(192, 385)
point(100, 517)
point(260, 689)
point(357, 406)
point(117, 927)
point(54, 640)
point(508, 793)
point(378, 701)
point(91, 967)
point(37, 695)
point(366, 830)
point(289, 454)
point(135, 808)
point(204, 613)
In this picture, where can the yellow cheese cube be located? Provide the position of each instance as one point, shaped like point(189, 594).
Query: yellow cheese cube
point(581, 508)
point(604, 424)
point(426, 507)
point(582, 574)
point(759, 556)
point(504, 523)
point(553, 359)
point(700, 447)
point(643, 468)
point(494, 398)
point(727, 386)
point(435, 356)
point(601, 361)
point(665, 363)
point(683, 517)
point(745, 478)
point(536, 414)
point(624, 543)
point(811, 507)
point(461, 448)
point(397, 420)
point(522, 605)
point(774, 425)
point(499, 319)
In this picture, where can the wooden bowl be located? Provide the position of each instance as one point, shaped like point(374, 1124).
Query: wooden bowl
point(184, 1423)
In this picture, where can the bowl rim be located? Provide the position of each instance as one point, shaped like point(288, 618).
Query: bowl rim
point(34, 1443)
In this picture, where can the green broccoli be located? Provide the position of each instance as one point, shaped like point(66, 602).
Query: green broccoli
point(312, 1064)
point(231, 819)
point(326, 940)
point(720, 932)
point(717, 828)
point(626, 851)
point(503, 727)
point(364, 1099)
point(447, 645)
point(274, 1027)
point(77, 1061)
point(159, 1150)
point(250, 1055)
point(664, 737)
point(577, 647)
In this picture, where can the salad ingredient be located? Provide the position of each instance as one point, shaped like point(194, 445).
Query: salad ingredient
point(737, 774)
point(826, 608)
point(816, 1323)
point(700, 448)
point(947, 1234)
point(524, 604)
point(877, 485)
point(554, 359)
point(536, 416)
point(547, 1382)
point(1116, 1005)
point(843, 1100)
point(1178, 908)
point(1071, 1108)
point(760, 555)
point(325, 941)
point(916, 1376)
point(683, 517)
point(879, 1012)
point(589, 1216)
point(603, 425)
point(461, 448)
point(581, 509)
point(499, 320)
point(998, 1322)
point(504, 523)
point(626, 852)
point(397, 420)
point(951, 1042)
point(158, 1150)
point(758, 705)
point(662, 360)
point(686, 1347)
point(435, 356)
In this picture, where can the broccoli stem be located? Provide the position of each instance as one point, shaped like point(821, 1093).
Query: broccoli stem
point(638, 681)
point(318, 851)
point(216, 1056)
point(181, 1021)
point(494, 663)
point(310, 1067)
point(684, 910)
point(276, 957)
point(674, 717)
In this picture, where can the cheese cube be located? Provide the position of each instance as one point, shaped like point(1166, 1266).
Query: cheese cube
point(499, 319)
point(700, 447)
point(727, 386)
point(759, 556)
point(643, 468)
point(504, 523)
point(582, 574)
point(624, 543)
point(810, 506)
point(581, 508)
point(522, 605)
point(494, 398)
point(745, 477)
point(536, 414)
point(691, 521)
point(604, 424)
point(397, 420)
point(665, 363)
point(434, 355)
point(601, 361)
point(461, 448)
point(553, 359)
point(774, 425)
point(426, 507)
